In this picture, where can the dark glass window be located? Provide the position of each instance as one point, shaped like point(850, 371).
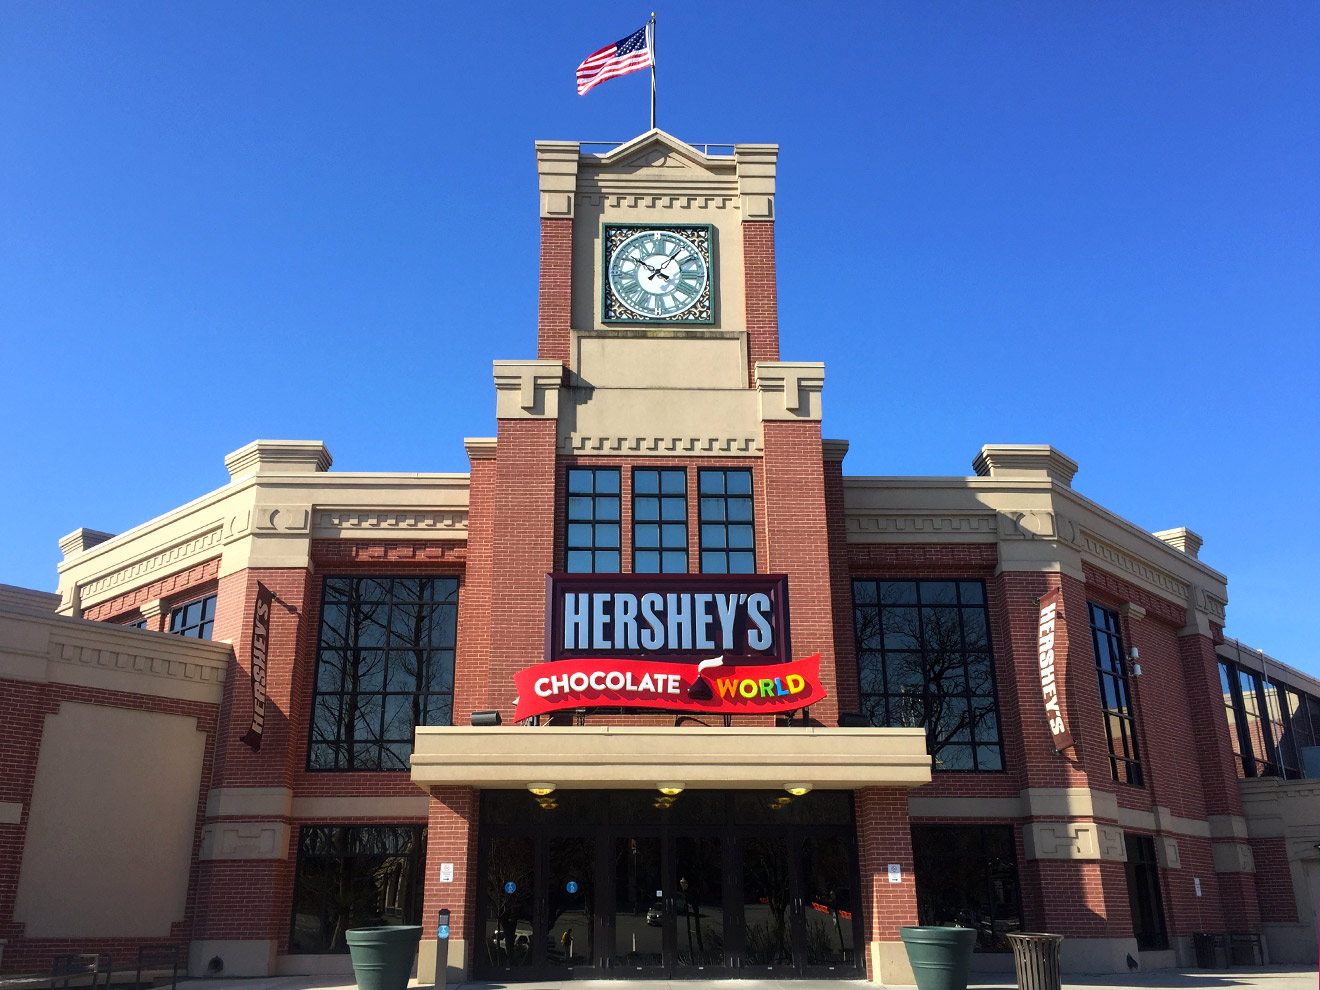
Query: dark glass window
point(1262, 752)
point(355, 876)
point(384, 664)
point(660, 535)
point(593, 521)
point(194, 619)
point(924, 659)
point(1143, 880)
point(142, 624)
point(967, 876)
point(728, 543)
point(1236, 727)
point(1115, 695)
point(1281, 731)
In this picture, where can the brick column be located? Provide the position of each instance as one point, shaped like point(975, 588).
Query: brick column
point(472, 663)
point(847, 691)
point(1233, 857)
point(760, 294)
point(556, 289)
point(884, 836)
point(451, 838)
point(249, 842)
point(524, 537)
point(798, 544)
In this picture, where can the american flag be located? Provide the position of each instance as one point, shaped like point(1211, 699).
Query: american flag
point(628, 55)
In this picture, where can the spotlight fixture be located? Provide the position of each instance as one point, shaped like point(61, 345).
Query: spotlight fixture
point(797, 790)
point(670, 789)
point(485, 718)
point(541, 789)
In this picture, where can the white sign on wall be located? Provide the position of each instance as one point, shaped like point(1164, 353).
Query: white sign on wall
point(1197, 881)
point(895, 873)
point(446, 872)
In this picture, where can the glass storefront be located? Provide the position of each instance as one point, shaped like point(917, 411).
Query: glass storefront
point(967, 876)
point(633, 884)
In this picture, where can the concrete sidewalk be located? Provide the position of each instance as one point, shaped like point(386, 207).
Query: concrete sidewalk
point(1238, 978)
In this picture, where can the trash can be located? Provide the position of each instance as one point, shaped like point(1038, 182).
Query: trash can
point(383, 956)
point(1036, 959)
point(1211, 950)
point(941, 957)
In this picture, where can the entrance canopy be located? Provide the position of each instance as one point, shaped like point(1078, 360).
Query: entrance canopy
point(611, 756)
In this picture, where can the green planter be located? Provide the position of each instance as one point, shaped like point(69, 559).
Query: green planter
point(383, 957)
point(941, 957)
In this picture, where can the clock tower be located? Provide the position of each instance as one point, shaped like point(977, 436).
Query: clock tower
point(657, 350)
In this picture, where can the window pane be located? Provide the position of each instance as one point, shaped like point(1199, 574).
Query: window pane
point(646, 483)
point(675, 561)
point(917, 666)
point(646, 562)
point(367, 700)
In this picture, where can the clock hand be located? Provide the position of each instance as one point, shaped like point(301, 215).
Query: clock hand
point(639, 261)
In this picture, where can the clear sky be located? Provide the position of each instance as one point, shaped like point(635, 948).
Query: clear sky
point(1095, 225)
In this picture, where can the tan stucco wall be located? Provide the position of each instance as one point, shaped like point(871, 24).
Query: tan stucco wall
point(108, 846)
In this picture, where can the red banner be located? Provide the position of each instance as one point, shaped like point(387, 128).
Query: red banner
point(708, 687)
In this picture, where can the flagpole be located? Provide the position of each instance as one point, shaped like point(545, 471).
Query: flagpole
point(652, 39)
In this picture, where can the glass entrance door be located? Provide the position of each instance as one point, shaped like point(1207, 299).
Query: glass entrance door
point(767, 901)
point(831, 928)
point(699, 907)
point(507, 935)
point(639, 907)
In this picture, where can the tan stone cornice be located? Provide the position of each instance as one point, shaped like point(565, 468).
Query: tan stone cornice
point(639, 756)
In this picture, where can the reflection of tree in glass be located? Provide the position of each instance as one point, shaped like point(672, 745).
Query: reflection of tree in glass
point(355, 876)
point(509, 859)
point(765, 870)
point(929, 666)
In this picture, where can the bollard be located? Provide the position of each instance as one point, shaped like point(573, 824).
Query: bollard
point(442, 950)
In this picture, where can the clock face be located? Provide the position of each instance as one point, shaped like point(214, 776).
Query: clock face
point(657, 274)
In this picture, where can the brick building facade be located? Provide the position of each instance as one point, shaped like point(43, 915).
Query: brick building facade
point(666, 445)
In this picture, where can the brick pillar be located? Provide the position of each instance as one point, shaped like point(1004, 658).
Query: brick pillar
point(250, 844)
point(798, 543)
point(1097, 905)
point(884, 836)
point(472, 662)
point(1233, 857)
point(524, 536)
point(847, 691)
point(451, 838)
point(760, 294)
point(556, 289)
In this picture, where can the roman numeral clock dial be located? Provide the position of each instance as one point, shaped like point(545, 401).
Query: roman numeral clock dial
point(657, 274)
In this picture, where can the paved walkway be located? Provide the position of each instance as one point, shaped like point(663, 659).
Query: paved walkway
point(1238, 978)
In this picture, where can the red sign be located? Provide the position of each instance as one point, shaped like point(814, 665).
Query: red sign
point(751, 689)
point(1049, 682)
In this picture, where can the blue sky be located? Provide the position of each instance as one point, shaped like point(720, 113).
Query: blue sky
point(1095, 225)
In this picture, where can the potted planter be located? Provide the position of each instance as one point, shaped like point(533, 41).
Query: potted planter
point(941, 957)
point(383, 956)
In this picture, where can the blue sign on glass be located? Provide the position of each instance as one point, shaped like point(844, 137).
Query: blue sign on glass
point(510, 886)
point(442, 932)
point(571, 886)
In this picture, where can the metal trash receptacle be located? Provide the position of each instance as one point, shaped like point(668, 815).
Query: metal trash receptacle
point(1036, 959)
point(1212, 950)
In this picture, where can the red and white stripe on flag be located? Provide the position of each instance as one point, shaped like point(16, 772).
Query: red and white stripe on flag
point(626, 55)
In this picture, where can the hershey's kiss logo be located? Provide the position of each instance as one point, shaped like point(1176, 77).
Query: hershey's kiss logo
point(701, 689)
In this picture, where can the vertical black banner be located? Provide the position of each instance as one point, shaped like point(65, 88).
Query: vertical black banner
point(260, 641)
